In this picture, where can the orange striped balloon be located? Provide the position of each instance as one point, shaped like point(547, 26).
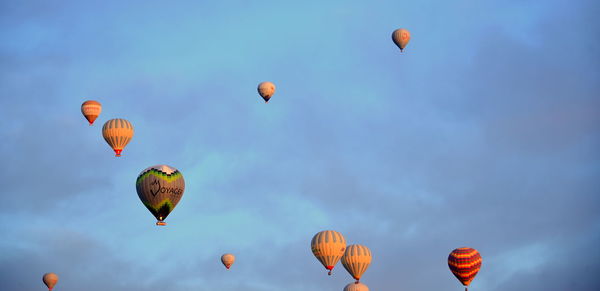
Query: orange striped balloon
point(356, 260)
point(328, 246)
point(91, 109)
point(117, 133)
point(464, 264)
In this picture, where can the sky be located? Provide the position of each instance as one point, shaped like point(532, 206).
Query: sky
point(484, 132)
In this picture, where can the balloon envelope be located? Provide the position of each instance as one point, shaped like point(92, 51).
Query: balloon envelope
point(464, 264)
point(227, 260)
point(91, 109)
point(117, 133)
point(356, 260)
point(328, 246)
point(50, 280)
point(160, 188)
point(356, 287)
point(401, 37)
point(266, 90)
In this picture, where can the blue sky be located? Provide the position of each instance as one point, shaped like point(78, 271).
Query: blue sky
point(483, 133)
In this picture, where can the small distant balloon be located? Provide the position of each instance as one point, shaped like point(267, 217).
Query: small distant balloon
point(328, 246)
point(91, 109)
point(160, 188)
point(227, 260)
point(356, 286)
point(266, 90)
point(401, 37)
point(117, 133)
point(50, 280)
point(356, 260)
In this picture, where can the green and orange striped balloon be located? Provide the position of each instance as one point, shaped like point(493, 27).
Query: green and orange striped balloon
point(464, 264)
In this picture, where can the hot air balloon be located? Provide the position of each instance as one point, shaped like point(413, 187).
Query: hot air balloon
point(160, 188)
point(401, 37)
point(464, 264)
point(266, 90)
point(227, 260)
point(328, 246)
point(117, 133)
point(356, 260)
point(91, 109)
point(50, 280)
point(355, 286)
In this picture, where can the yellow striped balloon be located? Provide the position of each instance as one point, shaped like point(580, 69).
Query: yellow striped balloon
point(91, 110)
point(117, 133)
point(356, 260)
point(355, 286)
point(328, 246)
point(227, 260)
point(464, 264)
